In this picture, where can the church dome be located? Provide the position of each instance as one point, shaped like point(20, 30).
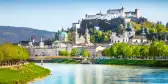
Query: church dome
point(63, 35)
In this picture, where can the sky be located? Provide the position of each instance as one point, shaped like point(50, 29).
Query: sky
point(52, 15)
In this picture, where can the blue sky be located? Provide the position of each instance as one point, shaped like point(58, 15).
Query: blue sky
point(52, 15)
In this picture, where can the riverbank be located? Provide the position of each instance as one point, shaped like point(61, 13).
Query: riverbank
point(57, 60)
point(22, 74)
point(151, 63)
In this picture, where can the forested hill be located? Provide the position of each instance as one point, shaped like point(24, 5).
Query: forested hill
point(16, 34)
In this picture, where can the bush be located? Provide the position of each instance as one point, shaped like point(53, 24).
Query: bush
point(63, 53)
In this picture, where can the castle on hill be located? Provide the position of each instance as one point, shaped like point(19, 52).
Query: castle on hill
point(83, 41)
point(114, 13)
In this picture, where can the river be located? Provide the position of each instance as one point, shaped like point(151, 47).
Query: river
point(102, 74)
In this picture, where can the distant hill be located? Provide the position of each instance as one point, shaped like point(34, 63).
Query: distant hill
point(15, 34)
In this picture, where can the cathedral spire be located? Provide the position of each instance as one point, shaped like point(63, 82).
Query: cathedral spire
point(87, 37)
point(86, 30)
point(41, 39)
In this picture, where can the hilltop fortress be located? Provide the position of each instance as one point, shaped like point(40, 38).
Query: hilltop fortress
point(114, 13)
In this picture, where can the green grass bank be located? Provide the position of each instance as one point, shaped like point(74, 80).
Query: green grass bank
point(22, 74)
point(152, 63)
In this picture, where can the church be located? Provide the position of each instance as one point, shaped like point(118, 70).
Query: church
point(80, 39)
point(128, 34)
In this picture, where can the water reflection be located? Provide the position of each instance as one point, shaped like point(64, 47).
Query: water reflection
point(102, 74)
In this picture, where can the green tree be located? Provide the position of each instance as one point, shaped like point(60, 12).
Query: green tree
point(74, 52)
point(85, 53)
point(106, 52)
point(136, 51)
point(106, 38)
point(144, 51)
point(63, 53)
point(122, 50)
point(1, 56)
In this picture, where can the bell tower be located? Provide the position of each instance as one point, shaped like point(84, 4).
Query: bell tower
point(75, 33)
point(87, 37)
point(41, 45)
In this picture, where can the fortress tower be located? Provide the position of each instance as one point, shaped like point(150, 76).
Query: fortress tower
point(123, 12)
point(137, 13)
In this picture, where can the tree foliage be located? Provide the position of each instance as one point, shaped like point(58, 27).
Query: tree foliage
point(157, 48)
point(63, 53)
point(74, 52)
point(85, 53)
point(10, 54)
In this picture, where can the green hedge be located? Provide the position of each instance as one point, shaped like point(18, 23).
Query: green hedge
point(22, 74)
point(153, 63)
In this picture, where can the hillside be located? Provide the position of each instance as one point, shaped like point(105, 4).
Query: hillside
point(107, 24)
point(16, 34)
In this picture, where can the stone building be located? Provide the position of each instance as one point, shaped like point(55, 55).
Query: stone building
point(128, 31)
point(115, 13)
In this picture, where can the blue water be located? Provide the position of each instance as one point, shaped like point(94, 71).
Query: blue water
point(102, 74)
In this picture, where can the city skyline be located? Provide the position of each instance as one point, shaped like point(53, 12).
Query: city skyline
point(53, 15)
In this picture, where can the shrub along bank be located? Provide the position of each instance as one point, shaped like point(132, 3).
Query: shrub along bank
point(153, 63)
point(22, 74)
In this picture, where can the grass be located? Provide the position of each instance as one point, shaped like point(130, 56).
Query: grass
point(63, 60)
point(22, 74)
point(153, 63)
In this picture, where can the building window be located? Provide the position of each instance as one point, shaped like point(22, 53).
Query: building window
point(118, 41)
point(115, 41)
point(123, 40)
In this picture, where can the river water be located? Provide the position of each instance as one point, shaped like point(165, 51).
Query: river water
point(102, 74)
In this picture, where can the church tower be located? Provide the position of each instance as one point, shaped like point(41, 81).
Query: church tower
point(143, 35)
point(87, 37)
point(30, 42)
point(41, 44)
point(75, 34)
